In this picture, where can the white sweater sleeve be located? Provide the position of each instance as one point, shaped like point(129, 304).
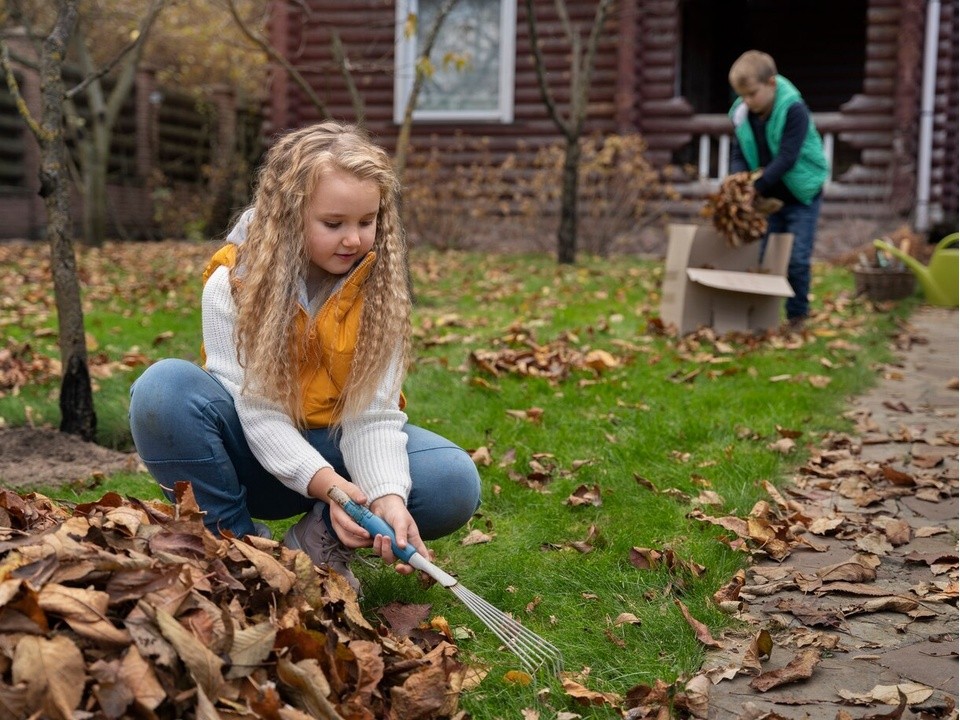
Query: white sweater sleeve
point(374, 445)
point(273, 438)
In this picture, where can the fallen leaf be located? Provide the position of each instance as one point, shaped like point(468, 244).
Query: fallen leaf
point(800, 668)
point(701, 631)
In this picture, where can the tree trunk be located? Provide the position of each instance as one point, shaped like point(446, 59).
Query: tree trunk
point(77, 415)
point(96, 156)
point(567, 234)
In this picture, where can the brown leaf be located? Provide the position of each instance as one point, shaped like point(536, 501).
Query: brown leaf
point(731, 591)
point(584, 696)
point(83, 610)
point(204, 666)
point(421, 694)
point(800, 668)
point(702, 631)
point(251, 646)
point(138, 674)
point(476, 537)
point(897, 477)
point(53, 672)
point(307, 682)
point(585, 495)
point(269, 568)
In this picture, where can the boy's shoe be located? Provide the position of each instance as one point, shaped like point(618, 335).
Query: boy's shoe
point(261, 530)
point(311, 535)
point(796, 324)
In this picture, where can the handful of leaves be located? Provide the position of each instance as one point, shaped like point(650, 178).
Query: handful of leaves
point(738, 213)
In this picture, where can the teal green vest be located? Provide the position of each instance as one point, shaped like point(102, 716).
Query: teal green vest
point(806, 177)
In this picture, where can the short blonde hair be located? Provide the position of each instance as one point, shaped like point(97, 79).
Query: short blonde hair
point(753, 66)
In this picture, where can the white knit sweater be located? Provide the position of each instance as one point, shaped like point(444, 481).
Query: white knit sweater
point(374, 446)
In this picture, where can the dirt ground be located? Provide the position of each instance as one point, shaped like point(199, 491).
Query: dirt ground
point(43, 457)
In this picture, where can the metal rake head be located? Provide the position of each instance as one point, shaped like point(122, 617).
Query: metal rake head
point(534, 652)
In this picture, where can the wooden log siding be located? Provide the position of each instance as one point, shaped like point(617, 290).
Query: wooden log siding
point(174, 135)
point(945, 180)
point(12, 149)
point(185, 130)
point(873, 135)
point(367, 33)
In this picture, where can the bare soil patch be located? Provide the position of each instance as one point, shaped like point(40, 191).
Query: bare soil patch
point(43, 457)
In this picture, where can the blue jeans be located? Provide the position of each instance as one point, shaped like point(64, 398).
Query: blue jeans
point(801, 221)
point(185, 427)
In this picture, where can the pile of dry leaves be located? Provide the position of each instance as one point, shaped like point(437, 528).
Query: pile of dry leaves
point(737, 212)
point(127, 608)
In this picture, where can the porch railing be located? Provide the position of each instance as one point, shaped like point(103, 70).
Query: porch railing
point(712, 135)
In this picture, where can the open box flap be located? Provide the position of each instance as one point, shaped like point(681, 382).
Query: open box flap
point(743, 282)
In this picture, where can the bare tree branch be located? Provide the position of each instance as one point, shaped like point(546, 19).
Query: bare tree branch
point(137, 44)
point(403, 137)
point(586, 68)
point(260, 41)
point(128, 72)
point(344, 64)
point(540, 67)
point(41, 133)
point(561, 6)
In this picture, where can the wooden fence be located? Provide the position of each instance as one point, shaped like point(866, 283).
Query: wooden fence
point(164, 139)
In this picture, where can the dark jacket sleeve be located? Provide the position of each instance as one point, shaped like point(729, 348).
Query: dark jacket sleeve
point(794, 132)
point(738, 163)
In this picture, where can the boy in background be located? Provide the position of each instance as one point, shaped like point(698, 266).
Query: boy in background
point(774, 132)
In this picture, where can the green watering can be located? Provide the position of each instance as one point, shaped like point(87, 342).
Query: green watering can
point(940, 279)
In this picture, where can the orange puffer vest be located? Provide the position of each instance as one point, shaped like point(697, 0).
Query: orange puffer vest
point(333, 339)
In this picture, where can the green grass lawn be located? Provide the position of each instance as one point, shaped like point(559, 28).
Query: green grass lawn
point(672, 419)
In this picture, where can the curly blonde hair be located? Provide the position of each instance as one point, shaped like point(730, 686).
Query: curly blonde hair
point(273, 259)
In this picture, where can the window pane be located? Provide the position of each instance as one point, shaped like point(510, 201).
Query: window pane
point(466, 56)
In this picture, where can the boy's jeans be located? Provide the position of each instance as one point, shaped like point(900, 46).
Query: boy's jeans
point(801, 221)
point(185, 427)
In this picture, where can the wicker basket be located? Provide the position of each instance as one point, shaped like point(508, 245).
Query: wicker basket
point(884, 284)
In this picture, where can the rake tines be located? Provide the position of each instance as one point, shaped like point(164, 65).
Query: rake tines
point(534, 652)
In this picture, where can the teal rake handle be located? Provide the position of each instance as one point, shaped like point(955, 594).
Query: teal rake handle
point(371, 523)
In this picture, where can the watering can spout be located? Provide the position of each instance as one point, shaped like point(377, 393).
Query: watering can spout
point(940, 279)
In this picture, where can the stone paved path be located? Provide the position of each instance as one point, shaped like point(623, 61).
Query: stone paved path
point(907, 423)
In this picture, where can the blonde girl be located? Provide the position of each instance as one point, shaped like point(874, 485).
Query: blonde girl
point(306, 327)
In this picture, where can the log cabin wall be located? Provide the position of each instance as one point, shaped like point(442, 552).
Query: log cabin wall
point(366, 30)
point(636, 87)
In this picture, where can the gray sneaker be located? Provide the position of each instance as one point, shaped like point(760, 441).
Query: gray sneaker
point(311, 535)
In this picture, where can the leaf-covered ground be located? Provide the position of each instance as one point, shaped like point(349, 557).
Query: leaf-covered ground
point(131, 608)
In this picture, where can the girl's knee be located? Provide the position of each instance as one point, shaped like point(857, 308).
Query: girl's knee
point(448, 489)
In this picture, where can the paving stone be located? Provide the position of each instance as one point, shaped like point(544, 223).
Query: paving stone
point(879, 648)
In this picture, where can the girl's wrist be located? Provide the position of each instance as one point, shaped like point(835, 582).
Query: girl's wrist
point(321, 482)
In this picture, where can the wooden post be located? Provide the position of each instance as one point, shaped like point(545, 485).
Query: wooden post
point(626, 96)
point(224, 149)
point(30, 204)
point(147, 106)
point(279, 80)
point(906, 104)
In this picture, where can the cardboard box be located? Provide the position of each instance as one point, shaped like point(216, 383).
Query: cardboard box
point(707, 283)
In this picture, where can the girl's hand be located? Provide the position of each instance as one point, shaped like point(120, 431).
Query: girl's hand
point(350, 533)
point(394, 511)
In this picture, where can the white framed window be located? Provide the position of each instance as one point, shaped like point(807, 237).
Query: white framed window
point(473, 61)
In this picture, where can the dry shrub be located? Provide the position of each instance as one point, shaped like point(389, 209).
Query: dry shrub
point(201, 210)
point(456, 205)
point(443, 205)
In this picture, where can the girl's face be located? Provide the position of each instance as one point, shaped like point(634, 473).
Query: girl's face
point(340, 221)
